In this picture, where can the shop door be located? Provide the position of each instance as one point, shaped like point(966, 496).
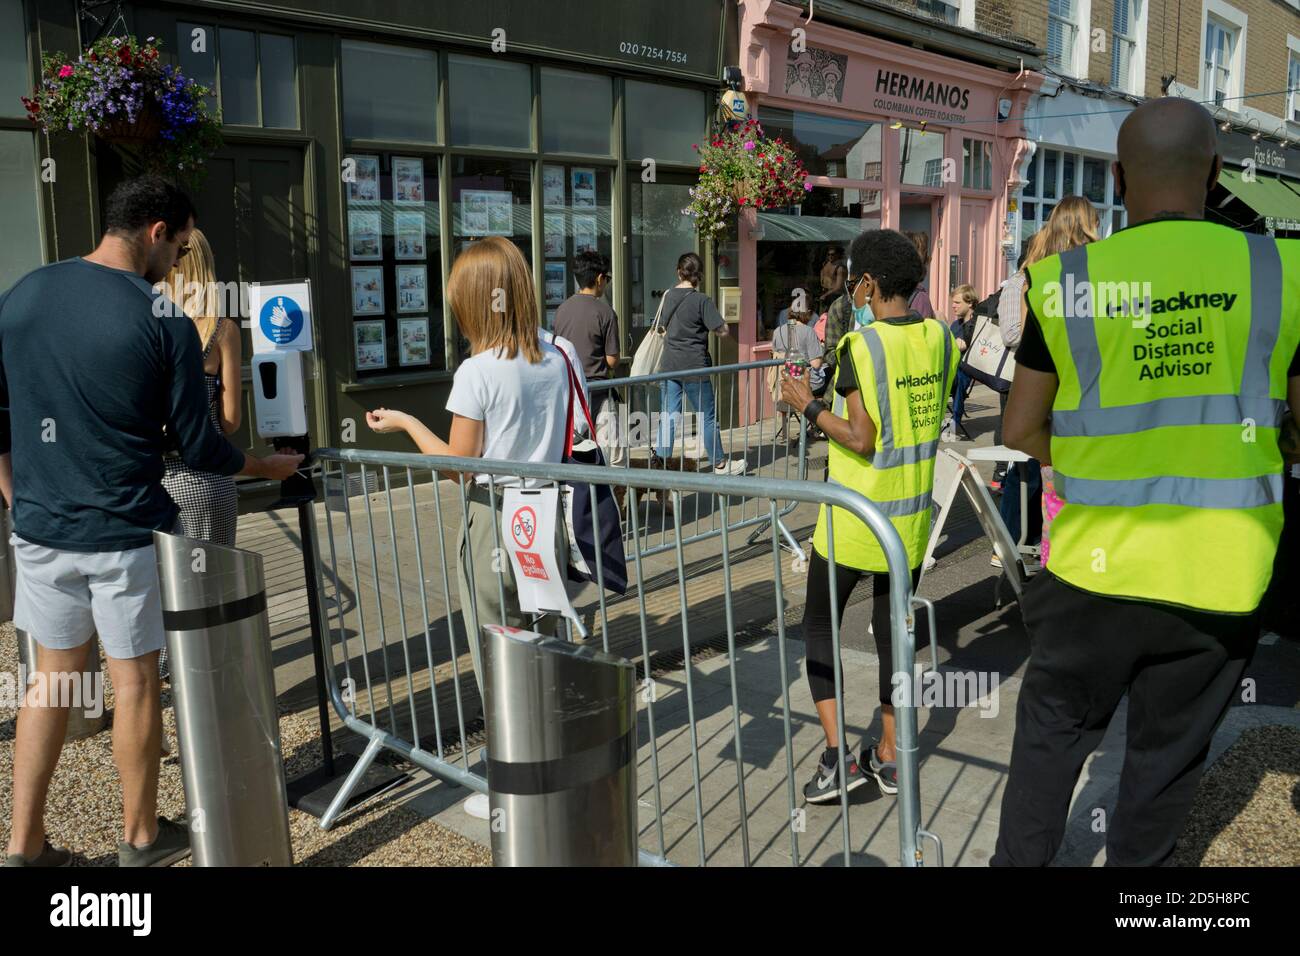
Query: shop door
point(974, 232)
point(922, 214)
point(252, 209)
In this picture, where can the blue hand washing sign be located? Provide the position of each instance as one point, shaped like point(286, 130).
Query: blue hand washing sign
point(281, 319)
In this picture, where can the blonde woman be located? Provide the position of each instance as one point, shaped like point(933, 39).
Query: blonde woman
point(509, 401)
point(209, 504)
point(1073, 223)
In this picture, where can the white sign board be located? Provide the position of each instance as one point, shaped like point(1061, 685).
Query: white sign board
point(528, 533)
point(280, 316)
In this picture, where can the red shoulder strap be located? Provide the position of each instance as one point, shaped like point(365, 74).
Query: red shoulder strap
point(575, 388)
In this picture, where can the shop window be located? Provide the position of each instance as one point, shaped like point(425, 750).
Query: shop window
point(920, 157)
point(15, 68)
point(1293, 84)
point(577, 112)
point(21, 249)
point(395, 263)
point(828, 145)
point(660, 233)
point(1220, 50)
point(663, 122)
point(1051, 159)
point(977, 164)
point(1097, 184)
point(795, 246)
point(1094, 180)
point(238, 77)
point(491, 102)
point(492, 197)
point(390, 93)
point(1062, 34)
point(253, 76)
point(577, 206)
point(1124, 45)
point(279, 82)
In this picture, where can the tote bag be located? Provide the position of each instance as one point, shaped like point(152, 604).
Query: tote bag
point(608, 532)
point(988, 360)
point(649, 357)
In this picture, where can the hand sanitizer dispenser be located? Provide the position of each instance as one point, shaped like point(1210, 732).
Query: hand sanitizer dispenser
point(279, 394)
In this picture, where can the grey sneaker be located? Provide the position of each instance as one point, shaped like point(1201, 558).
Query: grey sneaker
point(171, 844)
point(50, 855)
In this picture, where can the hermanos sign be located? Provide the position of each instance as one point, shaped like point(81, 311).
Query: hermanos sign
point(920, 96)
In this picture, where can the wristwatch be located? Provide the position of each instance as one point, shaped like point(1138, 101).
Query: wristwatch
point(813, 409)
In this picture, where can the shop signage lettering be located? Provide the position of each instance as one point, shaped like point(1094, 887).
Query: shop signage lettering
point(919, 88)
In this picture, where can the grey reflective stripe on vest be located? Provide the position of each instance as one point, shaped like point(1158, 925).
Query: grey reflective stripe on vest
point(877, 349)
point(1171, 490)
point(1166, 412)
point(1265, 313)
point(901, 508)
point(947, 362)
point(1079, 328)
point(910, 455)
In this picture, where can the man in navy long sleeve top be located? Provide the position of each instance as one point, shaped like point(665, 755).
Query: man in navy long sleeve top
point(96, 375)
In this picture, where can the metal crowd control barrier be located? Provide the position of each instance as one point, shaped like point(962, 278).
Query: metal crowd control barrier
point(395, 650)
point(564, 785)
point(641, 429)
point(223, 683)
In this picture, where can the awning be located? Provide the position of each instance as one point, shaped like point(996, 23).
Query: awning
point(1267, 195)
point(780, 227)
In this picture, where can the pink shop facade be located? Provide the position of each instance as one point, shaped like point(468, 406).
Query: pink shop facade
point(894, 137)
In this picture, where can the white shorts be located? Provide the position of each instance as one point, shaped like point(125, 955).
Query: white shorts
point(62, 598)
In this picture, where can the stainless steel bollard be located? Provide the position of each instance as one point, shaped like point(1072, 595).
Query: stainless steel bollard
point(223, 687)
point(83, 720)
point(561, 728)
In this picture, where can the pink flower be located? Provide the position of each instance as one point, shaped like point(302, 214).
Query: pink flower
point(65, 71)
point(807, 186)
point(749, 144)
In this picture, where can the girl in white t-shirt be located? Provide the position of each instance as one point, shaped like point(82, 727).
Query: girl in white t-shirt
point(510, 402)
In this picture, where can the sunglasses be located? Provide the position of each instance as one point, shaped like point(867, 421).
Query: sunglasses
point(183, 251)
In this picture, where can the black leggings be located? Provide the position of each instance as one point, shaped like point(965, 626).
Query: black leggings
point(817, 624)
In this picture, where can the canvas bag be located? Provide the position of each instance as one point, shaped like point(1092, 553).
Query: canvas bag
point(577, 500)
point(649, 357)
point(988, 360)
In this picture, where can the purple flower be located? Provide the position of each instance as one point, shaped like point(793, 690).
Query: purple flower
point(807, 186)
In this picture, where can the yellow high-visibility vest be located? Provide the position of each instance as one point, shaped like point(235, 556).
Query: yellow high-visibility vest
point(904, 371)
point(1171, 341)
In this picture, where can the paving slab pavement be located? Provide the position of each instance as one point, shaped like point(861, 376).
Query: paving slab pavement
point(963, 752)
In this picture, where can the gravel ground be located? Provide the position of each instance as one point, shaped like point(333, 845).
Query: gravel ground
point(84, 808)
point(1247, 811)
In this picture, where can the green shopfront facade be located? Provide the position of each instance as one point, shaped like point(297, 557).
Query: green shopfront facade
point(368, 141)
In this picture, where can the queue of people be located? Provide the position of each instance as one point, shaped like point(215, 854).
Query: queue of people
point(1166, 523)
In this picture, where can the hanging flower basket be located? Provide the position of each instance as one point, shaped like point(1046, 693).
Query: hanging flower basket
point(146, 128)
point(741, 169)
point(120, 91)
